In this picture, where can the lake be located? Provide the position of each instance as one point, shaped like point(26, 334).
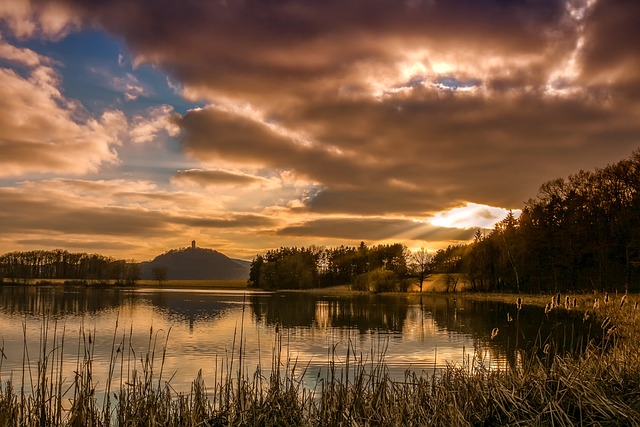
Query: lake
point(203, 330)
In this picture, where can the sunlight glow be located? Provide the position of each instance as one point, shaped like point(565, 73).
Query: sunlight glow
point(442, 67)
point(471, 215)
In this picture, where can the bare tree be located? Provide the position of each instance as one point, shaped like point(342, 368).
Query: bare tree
point(132, 272)
point(421, 265)
point(160, 274)
point(452, 282)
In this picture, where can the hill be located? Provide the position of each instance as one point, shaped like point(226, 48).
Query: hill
point(196, 264)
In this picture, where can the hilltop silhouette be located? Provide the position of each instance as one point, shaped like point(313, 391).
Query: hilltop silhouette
point(194, 263)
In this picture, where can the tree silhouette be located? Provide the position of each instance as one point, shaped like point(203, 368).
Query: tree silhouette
point(160, 274)
point(421, 265)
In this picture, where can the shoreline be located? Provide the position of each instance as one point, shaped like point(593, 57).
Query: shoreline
point(583, 300)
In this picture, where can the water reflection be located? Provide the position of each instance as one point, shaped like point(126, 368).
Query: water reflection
point(204, 328)
point(361, 312)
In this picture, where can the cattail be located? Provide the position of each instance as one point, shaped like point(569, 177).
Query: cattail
point(509, 318)
point(552, 303)
point(494, 333)
point(635, 307)
point(606, 297)
point(575, 302)
point(558, 300)
point(623, 300)
point(566, 301)
point(596, 304)
point(519, 303)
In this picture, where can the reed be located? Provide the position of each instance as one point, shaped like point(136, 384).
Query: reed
point(600, 386)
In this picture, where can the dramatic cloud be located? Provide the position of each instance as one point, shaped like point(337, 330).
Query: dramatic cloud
point(610, 56)
point(390, 106)
point(333, 119)
point(251, 49)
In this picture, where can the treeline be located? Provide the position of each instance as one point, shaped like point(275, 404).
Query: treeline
point(23, 267)
point(578, 233)
point(380, 268)
point(304, 268)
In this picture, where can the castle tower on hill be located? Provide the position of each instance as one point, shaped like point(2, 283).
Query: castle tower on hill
point(193, 244)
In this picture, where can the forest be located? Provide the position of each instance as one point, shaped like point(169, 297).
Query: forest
point(580, 233)
point(58, 264)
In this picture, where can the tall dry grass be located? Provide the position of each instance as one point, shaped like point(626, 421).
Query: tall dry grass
point(600, 386)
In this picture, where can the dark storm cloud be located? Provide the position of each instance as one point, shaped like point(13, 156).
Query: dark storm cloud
point(611, 56)
point(376, 229)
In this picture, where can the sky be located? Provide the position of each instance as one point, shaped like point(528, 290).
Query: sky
point(130, 127)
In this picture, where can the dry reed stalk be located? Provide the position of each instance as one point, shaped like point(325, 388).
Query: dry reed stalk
point(598, 387)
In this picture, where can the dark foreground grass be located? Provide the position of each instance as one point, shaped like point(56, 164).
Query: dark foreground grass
point(598, 387)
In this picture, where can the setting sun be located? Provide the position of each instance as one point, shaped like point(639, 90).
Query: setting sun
point(471, 215)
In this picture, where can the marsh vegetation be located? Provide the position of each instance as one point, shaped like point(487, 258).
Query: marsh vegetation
point(600, 384)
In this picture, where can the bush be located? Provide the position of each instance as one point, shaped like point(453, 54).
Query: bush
point(378, 280)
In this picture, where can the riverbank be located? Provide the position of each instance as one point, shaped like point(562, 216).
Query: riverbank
point(195, 284)
point(583, 300)
point(574, 301)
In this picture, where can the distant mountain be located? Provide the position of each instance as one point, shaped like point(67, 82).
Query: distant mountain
point(243, 263)
point(196, 264)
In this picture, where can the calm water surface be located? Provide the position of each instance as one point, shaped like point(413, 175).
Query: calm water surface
point(202, 329)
